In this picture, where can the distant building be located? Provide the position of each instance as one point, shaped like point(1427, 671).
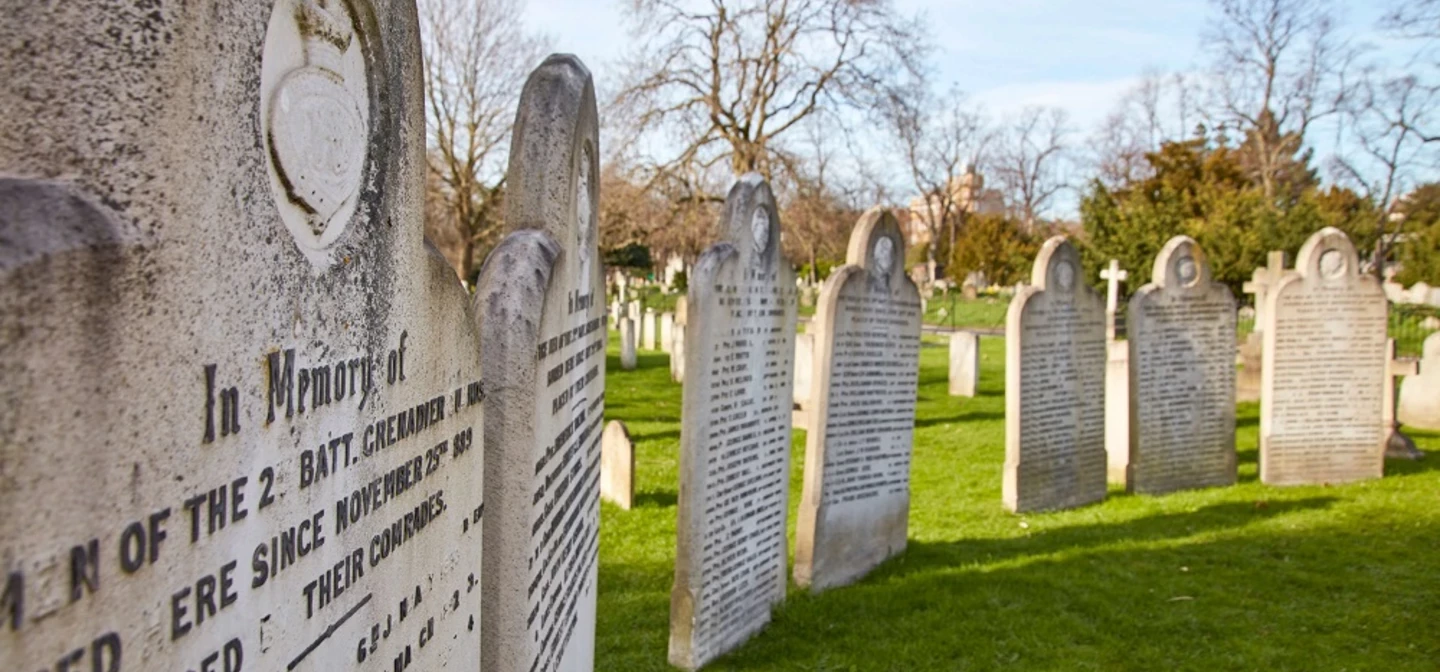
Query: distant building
point(967, 193)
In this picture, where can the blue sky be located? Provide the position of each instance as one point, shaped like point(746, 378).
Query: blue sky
point(1006, 54)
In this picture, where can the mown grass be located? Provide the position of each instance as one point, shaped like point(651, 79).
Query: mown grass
point(1241, 578)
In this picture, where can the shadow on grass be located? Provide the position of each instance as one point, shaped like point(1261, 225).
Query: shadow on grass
point(655, 499)
point(973, 416)
point(657, 436)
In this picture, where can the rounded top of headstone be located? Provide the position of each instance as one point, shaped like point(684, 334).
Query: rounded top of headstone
point(615, 427)
point(1057, 266)
point(1329, 256)
point(1181, 263)
point(551, 181)
point(876, 244)
point(752, 223)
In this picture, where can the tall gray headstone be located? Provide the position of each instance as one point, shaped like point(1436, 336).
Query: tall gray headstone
point(1420, 393)
point(964, 363)
point(242, 400)
point(1322, 388)
point(735, 434)
point(541, 295)
point(1182, 375)
point(1054, 387)
point(855, 507)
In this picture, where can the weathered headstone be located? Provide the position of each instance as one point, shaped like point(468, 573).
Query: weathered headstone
point(964, 363)
point(1055, 387)
point(1181, 341)
point(667, 332)
point(1420, 393)
point(804, 368)
point(1397, 444)
point(540, 293)
point(677, 354)
point(617, 465)
point(1322, 396)
point(855, 507)
point(730, 556)
point(1252, 351)
point(647, 333)
point(627, 344)
point(242, 404)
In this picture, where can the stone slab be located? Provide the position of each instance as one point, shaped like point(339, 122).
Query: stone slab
point(667, 332)
point(677, 354)
point(648, 332)
point(964, 364)
point(1055, 387)
point(855, 506)
point(730, 558)
point(242, 399)
point(1117, 410)
point(541, 292)
point(1322, 394)
point(1182, 376)
point(627, 344)
point(617, 465)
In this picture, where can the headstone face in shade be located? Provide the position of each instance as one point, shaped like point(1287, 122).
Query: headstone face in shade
point(241, 407)
point(1055, 387)
point(617, 465)
point(1326, 353)
point(541, 295)
point(1182, 376)
point(964, 363)
point(1420, 394)
point(855, 507)
point(731, 554)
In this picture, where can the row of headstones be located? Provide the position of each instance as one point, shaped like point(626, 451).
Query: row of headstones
point(248, 418)
point(736, 336)
point(1326, 409)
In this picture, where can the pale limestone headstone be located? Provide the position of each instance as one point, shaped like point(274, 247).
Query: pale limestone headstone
point(1252, 351)
point(855, 507)
point(667, 332)
point(615, 315)
point(647, 334)
point(1182, 376)
point(804, 368)
point(682, 305)
point(637, 316)
point(677, 354)
point(730, 556)
point(1055, 387)
point(1397, 444)
point(627, 344)
point(1117, 411)
point(540, 293)
point(1322, 394)
point(964, 363)
point(1113, 276)
point(1420, 393)
point(242, 402)
point(617, 465)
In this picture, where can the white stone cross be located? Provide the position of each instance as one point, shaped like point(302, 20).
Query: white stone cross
point(1115, 276)
point(1396, 443)
point(1262, 281)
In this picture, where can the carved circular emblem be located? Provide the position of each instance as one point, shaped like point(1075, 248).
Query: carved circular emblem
point(1186, 270)
point(1332, 264)
point(760, 230)
point(884, 255)
point(314, 116)
point(1065, 275)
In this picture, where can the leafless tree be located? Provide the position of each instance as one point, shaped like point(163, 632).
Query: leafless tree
point(728, 80)
point(942, 141)
point(1158, 109)
point(1279, 66)
point(477, 55)
point(819, 208)
point(1030, 161)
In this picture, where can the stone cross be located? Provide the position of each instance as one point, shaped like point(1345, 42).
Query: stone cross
point(1397, 444)
point(1114, 276)
point(1264, 280)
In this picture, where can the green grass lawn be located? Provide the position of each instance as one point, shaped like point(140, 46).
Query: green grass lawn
point(1242, 578)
